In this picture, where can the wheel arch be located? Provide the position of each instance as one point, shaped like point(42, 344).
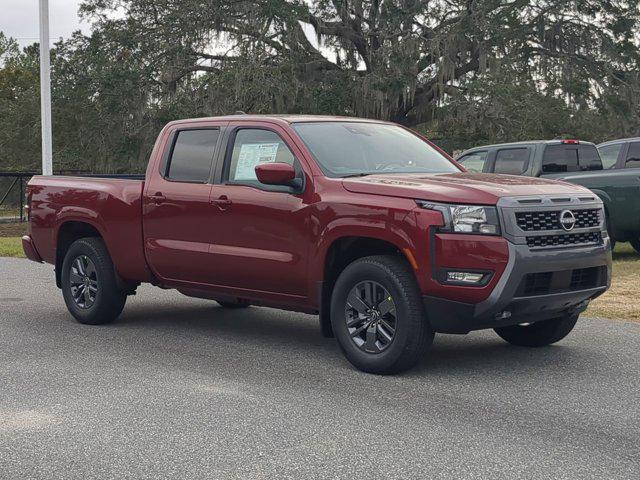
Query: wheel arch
point(68, 232)
point(344, 250)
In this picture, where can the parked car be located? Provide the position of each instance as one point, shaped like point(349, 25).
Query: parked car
point(362, 222)
point(613, 174)
point(620, 154)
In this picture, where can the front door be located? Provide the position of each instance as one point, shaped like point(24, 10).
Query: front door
point(261, 240)
point(177, 215)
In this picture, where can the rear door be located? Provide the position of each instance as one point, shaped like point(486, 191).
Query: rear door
point(177, 216)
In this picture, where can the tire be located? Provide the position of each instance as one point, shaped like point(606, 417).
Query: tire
point(538, 334)
point(107, 302)
point(397, 314)
point(238, 304)
point(635, 243)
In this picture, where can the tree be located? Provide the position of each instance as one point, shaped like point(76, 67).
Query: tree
point(396, 59)
point(466, 72)
point(19, 105)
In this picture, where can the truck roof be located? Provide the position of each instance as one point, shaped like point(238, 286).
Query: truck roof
point(619, 140)
point(528, 142)
point(286, 118)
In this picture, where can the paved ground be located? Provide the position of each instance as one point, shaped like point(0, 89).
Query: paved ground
point(181, 388)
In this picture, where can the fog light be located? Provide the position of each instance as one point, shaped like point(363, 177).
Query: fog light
point(465, 277)
point(488, 229)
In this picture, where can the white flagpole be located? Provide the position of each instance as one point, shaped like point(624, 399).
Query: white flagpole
point(45, 89)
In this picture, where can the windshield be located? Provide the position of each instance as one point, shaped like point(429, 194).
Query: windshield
point(350, 148)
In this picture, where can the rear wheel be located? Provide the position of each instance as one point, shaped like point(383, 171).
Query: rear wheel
point(89, 285)
point(538, 334)
point(377, 315)
point(635, 243)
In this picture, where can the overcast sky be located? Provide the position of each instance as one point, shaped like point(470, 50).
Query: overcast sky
point(19, 19)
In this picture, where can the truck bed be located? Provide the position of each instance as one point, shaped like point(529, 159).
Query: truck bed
point(111, 204)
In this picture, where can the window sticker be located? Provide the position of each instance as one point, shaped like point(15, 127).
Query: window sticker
point(252, 154)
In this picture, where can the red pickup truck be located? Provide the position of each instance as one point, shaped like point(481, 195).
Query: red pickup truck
point(362, 222)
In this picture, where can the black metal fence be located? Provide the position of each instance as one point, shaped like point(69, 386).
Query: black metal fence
point(12, 186)
point(12, 190)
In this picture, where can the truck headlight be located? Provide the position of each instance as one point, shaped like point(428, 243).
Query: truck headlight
point(467, 218)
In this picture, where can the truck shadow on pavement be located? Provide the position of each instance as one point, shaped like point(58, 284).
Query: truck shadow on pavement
point(297, 335)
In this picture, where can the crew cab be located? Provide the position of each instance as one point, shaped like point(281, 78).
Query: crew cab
point(362, 222)
point(600, 169)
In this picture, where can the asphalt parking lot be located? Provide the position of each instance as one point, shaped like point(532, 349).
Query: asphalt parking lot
point(181, 388)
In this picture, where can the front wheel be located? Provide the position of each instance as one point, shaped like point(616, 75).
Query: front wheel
point(89, 285)
point(377, 315)
point(635, 243)
point(538, 334)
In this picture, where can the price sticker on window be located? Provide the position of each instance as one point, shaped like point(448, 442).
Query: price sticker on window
point(253, 154)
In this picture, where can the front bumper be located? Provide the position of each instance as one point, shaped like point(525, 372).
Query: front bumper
point(507, 306)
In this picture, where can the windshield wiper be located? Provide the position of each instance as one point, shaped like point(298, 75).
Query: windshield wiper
point(351, 175)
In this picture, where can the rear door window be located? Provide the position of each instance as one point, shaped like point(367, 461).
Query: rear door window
point(609, 154)
point(474, 162)
point(192, 155)
point(512, 161)
point(633, 156)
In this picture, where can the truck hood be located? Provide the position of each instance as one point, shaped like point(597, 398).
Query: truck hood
point(471, 188)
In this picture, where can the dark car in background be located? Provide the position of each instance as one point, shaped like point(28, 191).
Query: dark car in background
point(611, 170)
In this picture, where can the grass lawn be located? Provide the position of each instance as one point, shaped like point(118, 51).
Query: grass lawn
point(11, 247)
point(14, 229)
point(619, 302)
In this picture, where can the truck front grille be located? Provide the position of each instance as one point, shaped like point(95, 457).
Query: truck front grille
point(538, 221)
point(565, 240)
point(545, 283)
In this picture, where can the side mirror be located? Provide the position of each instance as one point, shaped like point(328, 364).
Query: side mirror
point(276, 173)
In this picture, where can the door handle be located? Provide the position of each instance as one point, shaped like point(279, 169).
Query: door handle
point(222, 202)
point(157, 198)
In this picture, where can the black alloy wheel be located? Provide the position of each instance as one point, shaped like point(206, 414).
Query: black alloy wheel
point(83, 280)
point(371, 318)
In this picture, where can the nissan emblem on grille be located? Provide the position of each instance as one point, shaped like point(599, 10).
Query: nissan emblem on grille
point(567, 220)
